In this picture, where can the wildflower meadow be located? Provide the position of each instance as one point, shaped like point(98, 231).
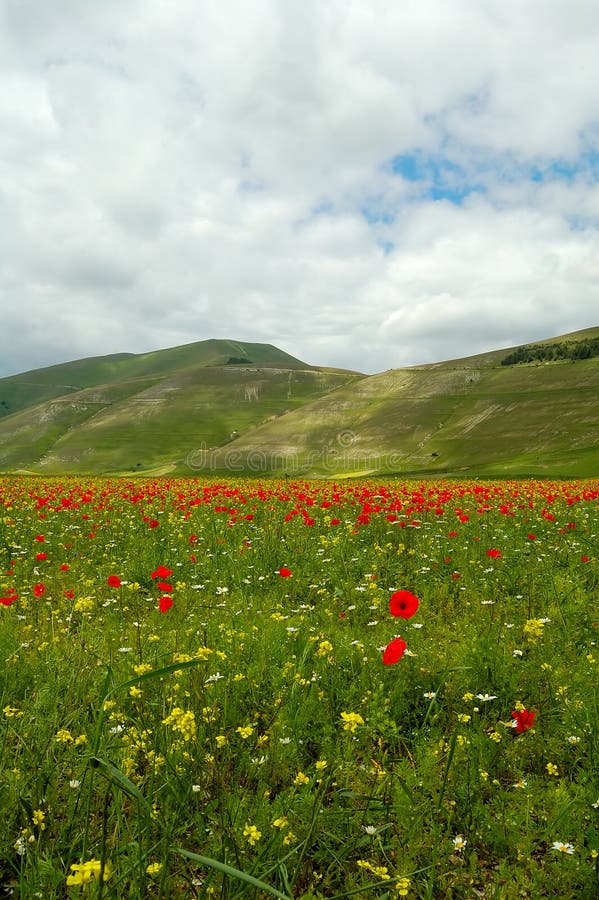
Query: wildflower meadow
point(242, 688)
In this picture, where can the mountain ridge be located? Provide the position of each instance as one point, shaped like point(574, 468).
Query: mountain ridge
point(222, 406)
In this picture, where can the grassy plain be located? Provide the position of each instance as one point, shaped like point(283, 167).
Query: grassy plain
point(194, 701)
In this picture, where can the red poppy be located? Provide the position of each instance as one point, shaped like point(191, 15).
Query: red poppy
point(394, 651)
point(165, 604)
point(40, 538)
point(403, 604)
point(113, 581)
point(39, 589)
point(164, 586)
point(162, 572)
point(525, 719)
point(494, 553)
point(153, 523)
point(584, 559)
point(65, 567)
point(10, 598)
point(285, 573)
point(41, 556)
point(532, 537)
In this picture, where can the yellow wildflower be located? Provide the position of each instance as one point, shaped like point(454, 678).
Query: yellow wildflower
point(182, 721)
point(351, 721)
point(245, 731)
point(324, 648)
point(38, 817)
point(154, 868)
point(251, 833)
point(83, 873)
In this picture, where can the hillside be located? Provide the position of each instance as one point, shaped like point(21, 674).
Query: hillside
point(220, 406)
point(466, 416)
point(139, 412)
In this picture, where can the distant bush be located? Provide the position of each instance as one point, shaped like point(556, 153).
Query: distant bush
point(549, 352)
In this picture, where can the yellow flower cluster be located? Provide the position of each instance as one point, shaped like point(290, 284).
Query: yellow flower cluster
point(84, 604)
point(245, 731)
point(377, 871)
point(351, 721)
point(38, 817)
point(154, 869)
point(252, 835)
point(83, 873)
point(183, 721)
point(324, 648)
point(533, 629)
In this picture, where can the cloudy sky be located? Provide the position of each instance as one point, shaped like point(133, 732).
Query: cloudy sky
point(364, 183)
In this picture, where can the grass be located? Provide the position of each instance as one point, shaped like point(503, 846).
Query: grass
point(194, 701)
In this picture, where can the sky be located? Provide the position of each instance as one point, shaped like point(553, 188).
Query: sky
point(363, 184)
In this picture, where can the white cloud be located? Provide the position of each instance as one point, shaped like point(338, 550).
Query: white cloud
point(173, 171)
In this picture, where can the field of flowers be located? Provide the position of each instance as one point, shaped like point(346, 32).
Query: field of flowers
point(299, 689)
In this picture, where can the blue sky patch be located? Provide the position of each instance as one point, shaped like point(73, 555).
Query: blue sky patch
point(438, 177)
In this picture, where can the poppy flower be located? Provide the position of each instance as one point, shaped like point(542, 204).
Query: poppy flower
point(285, 573)
point(162, 572)
point(113, 581)
point(525, 719)
point(164, 586)
point(165, 604)
point(39, 590)
point(394, 651)
point(494, 553)
point(10, 598)
point(41, 556)
point(403, 604)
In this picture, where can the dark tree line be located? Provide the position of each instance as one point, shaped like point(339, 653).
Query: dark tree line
point(547, 352)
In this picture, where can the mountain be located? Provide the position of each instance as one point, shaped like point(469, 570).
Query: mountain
point(218, 407)
point(147, 412)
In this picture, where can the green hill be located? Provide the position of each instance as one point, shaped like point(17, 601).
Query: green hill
point(467, 416)
point(222, 406)
point(139, 412)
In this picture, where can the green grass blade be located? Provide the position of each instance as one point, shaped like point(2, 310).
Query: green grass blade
point(121, 781)
point(231, 872)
